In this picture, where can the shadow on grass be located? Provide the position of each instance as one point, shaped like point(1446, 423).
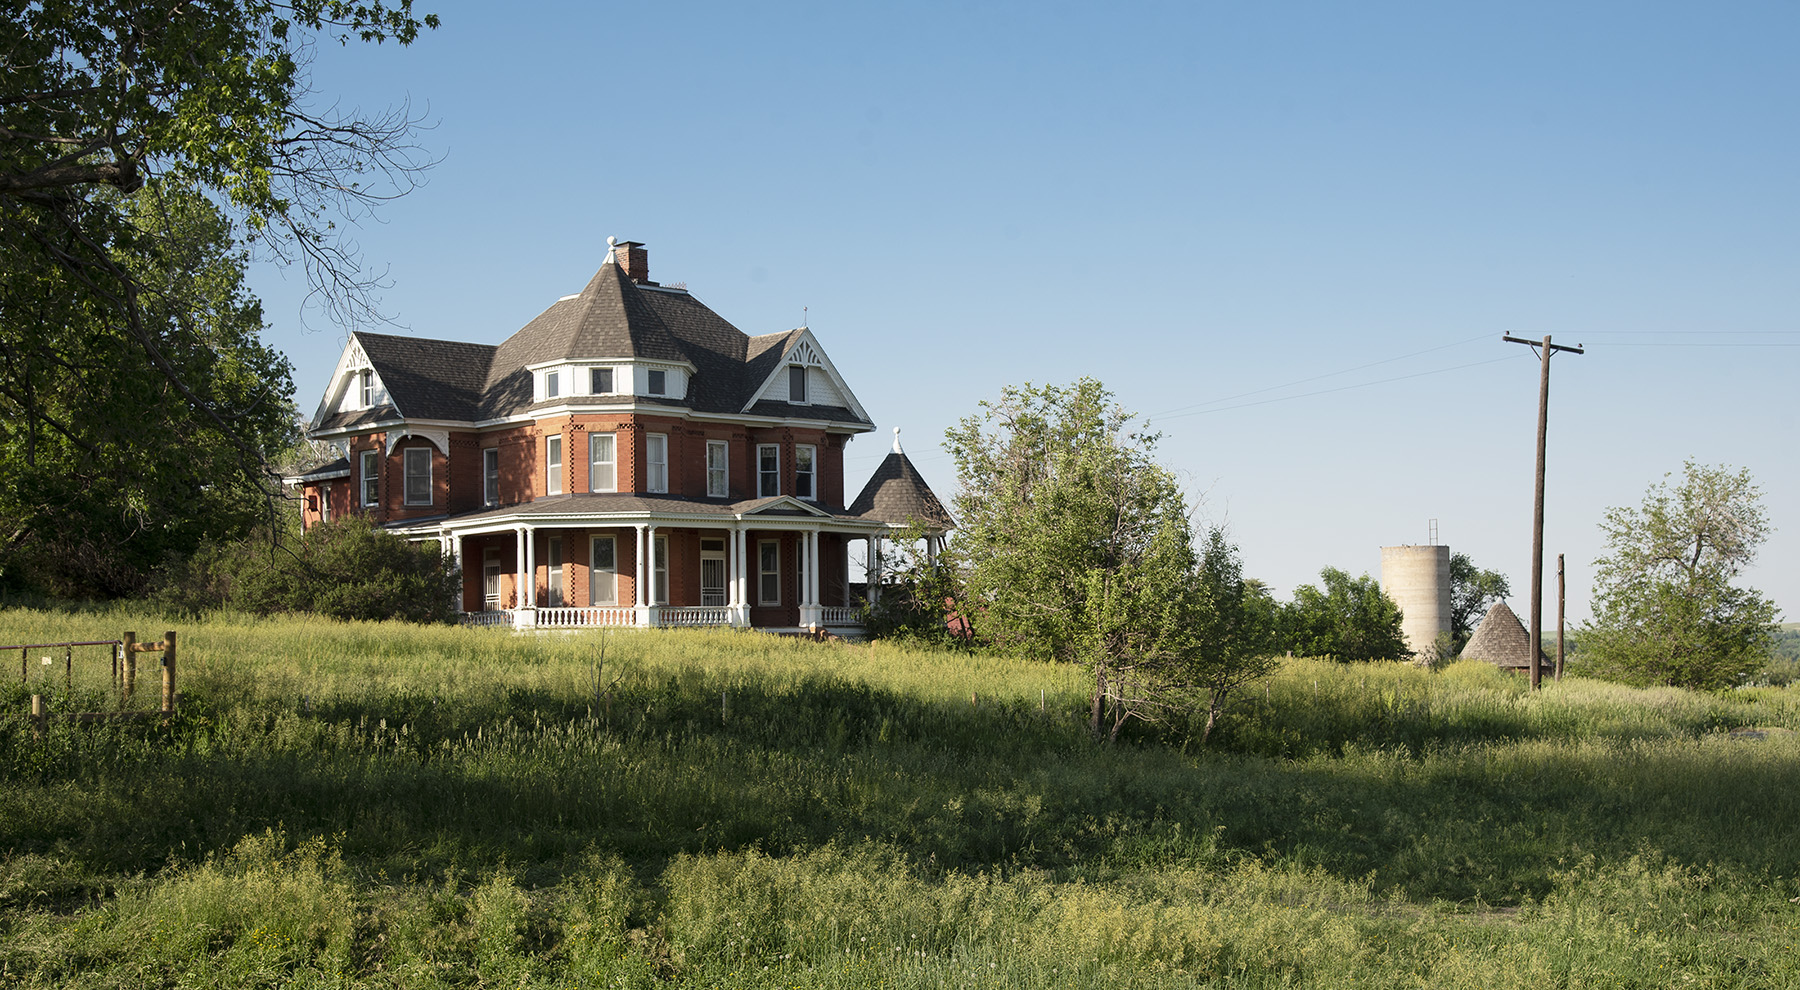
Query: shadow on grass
point(417, 786)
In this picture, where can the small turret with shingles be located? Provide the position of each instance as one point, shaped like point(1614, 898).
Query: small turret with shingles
point(1501, 640)
point(898, 496)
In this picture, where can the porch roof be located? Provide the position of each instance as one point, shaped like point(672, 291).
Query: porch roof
point(615, 507)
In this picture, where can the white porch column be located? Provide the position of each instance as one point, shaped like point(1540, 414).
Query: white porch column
point(640, 596)
point(739, 612)
point(655, 611)
point(531, 567)
point(519, 568)
point(809, 594)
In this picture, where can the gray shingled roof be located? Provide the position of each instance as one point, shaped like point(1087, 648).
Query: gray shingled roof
point(896, 494)
point(1501, 639)
point(430, 379)
point(612, 317)
point(601, 503)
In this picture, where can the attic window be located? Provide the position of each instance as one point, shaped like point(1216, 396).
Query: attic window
point(601, 381)
point(552, 384)
point(658, 382)
point(368, 388)
point(796, 383)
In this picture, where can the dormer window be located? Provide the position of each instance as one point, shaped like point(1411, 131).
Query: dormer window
point(796, 383)
point(659, 382)
point(552, 384)
point(367, 388)
point(601, 381)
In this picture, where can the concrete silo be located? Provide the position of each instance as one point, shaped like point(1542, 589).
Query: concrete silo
point(1418, 580)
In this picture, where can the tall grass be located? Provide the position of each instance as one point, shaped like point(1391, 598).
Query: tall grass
point(356, 804)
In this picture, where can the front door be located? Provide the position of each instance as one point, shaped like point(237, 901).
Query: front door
point(712, 572)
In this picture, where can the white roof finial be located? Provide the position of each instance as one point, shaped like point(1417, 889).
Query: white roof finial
point(897, 449)
point(611, 244)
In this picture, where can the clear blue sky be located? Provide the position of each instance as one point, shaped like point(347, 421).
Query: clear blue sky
point(1229, 213)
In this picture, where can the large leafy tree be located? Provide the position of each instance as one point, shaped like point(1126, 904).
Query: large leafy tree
point(1351, 619)
point(1666, 610)
point(116, 464)
point(1074, 544)
point(142, 144)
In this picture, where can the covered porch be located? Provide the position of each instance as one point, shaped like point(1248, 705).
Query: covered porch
point(777, 564)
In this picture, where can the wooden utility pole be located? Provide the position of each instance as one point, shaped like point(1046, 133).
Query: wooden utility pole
point(1561, 599)
point(1537, 510)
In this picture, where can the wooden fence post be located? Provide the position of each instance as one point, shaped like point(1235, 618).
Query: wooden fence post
point(168, 699)
point(38, 717)
point(130, 665)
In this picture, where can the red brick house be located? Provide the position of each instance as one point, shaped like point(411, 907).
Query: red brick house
point(628, 458)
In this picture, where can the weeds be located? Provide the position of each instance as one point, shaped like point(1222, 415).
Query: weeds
point(352, 804)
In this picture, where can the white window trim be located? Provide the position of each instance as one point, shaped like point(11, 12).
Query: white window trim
point(364, 476)
point(812, 474)
point(553, 383)
point(612, 572)
point(723, 489)
point(407, 457)
point(365, 385)
point(761, 492)
point(490, 480)
point(763, 572)
point(611, 463)
point(650, 381)
point(553, 464)
point(805, 385)
point(613, 386)
point(651, 482)
point(659, 577)
point(554, 580)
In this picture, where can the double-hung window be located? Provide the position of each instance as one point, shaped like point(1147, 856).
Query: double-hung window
point(603, 475)
point(659, 578)
point(418, 475)
point(553, 463)
point(768, 470)
point(718, 474)
point(768, 564)
point(603, 572)
point(490, 476)
point(553, 578)
point(367, 389)
point(370, 470)
point(656, 462)
point(803, 472)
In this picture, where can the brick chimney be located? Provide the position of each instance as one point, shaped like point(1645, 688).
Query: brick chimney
point(634, 261)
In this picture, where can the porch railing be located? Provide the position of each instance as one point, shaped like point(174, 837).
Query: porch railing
point(601, 615)
point(688, 615)
point(485, 619)
point(836, 615)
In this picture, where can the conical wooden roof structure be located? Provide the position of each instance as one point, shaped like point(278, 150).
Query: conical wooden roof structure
point(898, 496)
point(1501, 640)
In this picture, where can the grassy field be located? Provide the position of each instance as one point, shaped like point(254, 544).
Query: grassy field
point(374, 805)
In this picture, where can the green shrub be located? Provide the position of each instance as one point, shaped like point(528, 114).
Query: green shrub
point(347, 569)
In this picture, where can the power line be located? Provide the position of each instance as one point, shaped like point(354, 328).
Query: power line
point(1329, 374)
point(1328, 391)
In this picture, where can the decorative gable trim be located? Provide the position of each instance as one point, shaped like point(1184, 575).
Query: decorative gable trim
point(804, 350)
point(338, 394)
point(438, 438)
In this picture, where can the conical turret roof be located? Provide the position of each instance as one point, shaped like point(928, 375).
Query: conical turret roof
point(1501, 639)
point(896, 494)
